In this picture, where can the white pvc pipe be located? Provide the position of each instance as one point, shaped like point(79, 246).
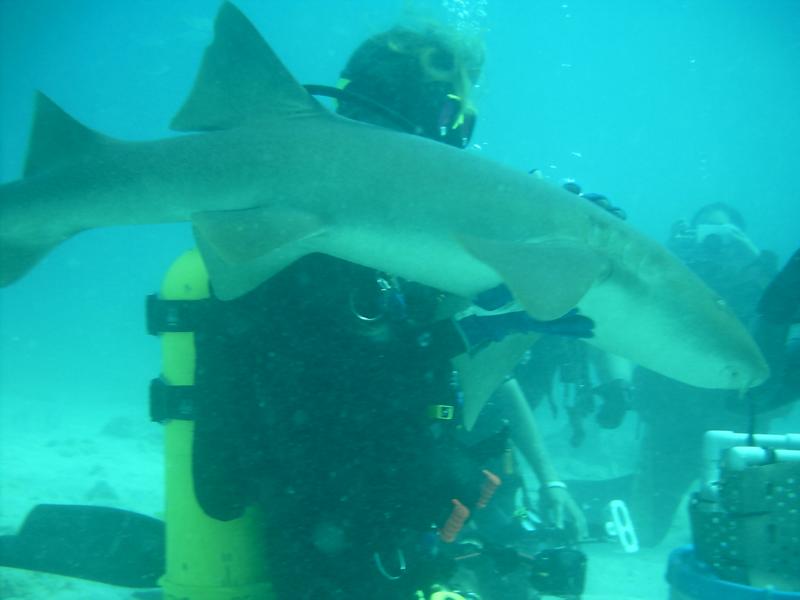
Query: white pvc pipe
point(716, 442)
point(739, 458)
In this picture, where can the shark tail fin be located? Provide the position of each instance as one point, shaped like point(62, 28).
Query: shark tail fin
point(17, 259)
point(21, 248)
point(57, 138)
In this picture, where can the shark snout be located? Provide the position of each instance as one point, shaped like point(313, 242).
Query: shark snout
point(746, 374)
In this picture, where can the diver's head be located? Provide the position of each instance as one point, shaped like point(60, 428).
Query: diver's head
point(719, 230)
point(715, 235)
point(718, 213)
point(423, 77)
point(714, 245)
point(599, 200)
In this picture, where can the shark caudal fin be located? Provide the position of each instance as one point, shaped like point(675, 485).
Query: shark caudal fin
point(241, 82)
point(17, 259)
point(56, 140)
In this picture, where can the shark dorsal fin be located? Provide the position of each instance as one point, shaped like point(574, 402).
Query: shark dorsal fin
point(240, 80)
point(57, 138)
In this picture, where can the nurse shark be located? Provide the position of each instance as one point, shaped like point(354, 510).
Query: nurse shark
point(267, 175)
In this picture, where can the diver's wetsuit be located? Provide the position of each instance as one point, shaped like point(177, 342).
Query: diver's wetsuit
point(324, 421)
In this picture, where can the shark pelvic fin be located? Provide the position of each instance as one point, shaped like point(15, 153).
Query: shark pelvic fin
point(57, 138)
point(479, 376)
point(240, 80)
point(244, 248)
point(547, 278)
point(239, 236)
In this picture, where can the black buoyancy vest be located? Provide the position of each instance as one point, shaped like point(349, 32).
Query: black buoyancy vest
point(319, 381)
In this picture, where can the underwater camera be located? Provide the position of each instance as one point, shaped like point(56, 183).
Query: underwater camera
point(546, 567)
point(556, 568)
point(559, 572)
point(553, 566)
point(524, 554)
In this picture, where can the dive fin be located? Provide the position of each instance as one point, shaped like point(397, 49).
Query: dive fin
point(240, 80)
point(546, 278)
point(96, 543)
point(480, 375)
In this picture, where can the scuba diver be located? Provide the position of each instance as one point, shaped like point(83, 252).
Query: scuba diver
point(675, 416)
point(327, 387)
point(327, 395)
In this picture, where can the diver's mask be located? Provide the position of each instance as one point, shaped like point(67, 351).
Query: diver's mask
point(721, 243)
point(716, 236)
point(454, 123)
point(431, 110)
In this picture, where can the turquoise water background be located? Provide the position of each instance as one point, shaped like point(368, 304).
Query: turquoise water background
point(663, 106)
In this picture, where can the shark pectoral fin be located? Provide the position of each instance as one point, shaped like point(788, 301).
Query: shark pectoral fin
point(240, 80)
point(229, 281)
point(546, 278)
point(480, 375)
point(242, 235)
point(244, 248)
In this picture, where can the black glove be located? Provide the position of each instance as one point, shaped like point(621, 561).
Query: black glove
point(481, 330)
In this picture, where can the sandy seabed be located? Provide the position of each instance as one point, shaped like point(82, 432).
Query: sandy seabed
point(51, 454)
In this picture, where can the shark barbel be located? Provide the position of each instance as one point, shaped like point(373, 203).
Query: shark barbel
point(269, 175)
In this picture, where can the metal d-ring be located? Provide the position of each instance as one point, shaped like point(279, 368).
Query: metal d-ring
point(384, 287)
point(360, 316)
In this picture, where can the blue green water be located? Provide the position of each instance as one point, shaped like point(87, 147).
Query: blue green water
point(663, 106)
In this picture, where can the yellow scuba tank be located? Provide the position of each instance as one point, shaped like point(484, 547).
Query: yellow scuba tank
point(206, 559)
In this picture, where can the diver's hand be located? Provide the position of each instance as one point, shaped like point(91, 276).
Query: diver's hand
point(740, 237)
point(559, 509)
point(480, 330)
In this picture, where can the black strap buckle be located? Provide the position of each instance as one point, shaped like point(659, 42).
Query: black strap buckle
point(176, 316)
point(171, 401)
